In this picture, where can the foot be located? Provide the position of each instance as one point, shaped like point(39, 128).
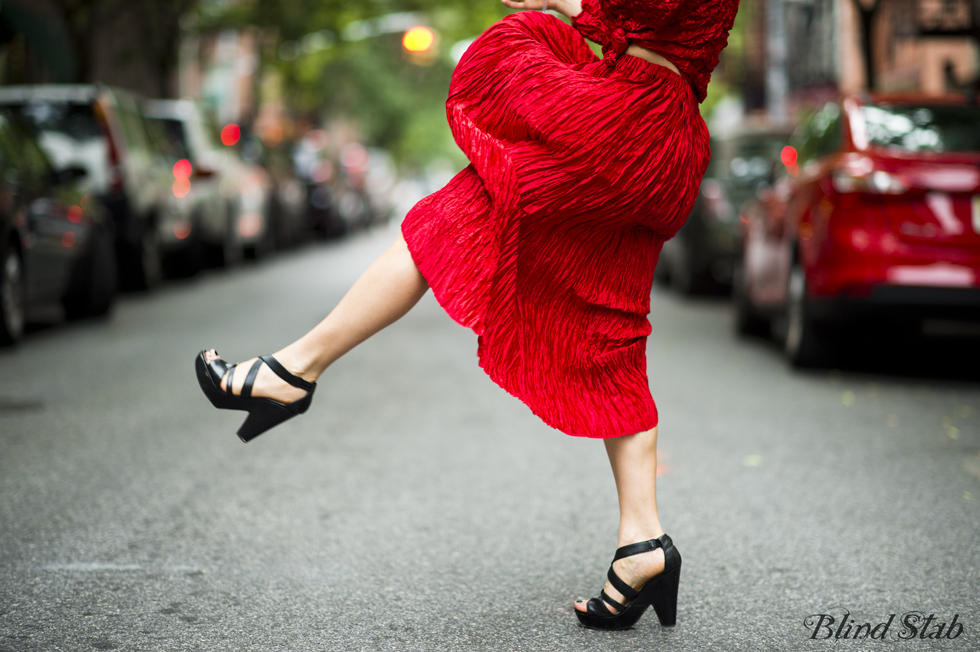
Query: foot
point(267, 383)
point(635, 571)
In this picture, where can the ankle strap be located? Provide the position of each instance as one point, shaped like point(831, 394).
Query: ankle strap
point(290, 378)
point(639, 548)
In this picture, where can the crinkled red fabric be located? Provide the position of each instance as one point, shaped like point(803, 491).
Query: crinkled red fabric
point(546, 244)
point(689, 34)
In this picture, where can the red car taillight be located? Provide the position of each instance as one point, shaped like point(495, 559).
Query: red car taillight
point(860, 175)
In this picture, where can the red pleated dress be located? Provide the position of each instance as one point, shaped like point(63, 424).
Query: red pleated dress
point(580, 169)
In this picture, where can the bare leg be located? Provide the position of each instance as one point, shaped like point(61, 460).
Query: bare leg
point(389, 288)
point(634, 465)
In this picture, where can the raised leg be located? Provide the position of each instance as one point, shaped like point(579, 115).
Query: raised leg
point(634, 464)
point(389, 288)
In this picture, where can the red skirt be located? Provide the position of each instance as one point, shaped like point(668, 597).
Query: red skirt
point(545, 245)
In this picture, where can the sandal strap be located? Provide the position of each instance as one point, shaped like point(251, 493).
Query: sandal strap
point(290, 378)
point(637, 548)
point(250, 379)
point(628, 591)
point(231, 379)
point(605, 596)
point(597, 607)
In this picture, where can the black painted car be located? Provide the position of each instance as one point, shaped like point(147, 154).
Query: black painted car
point(703, 255)
point(100, 128)
point(57, 256)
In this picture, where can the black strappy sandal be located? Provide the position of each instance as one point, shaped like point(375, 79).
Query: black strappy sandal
point(263, 413)
point(660, 591)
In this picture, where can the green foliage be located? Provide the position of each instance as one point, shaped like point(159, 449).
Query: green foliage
point(396, 102)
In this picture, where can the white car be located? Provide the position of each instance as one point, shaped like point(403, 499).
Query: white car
point(230, 198)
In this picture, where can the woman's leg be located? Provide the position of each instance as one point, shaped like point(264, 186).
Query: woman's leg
point(389, 288)
point(634, 465)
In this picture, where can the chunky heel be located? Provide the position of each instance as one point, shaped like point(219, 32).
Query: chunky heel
point(660, 591)
point(263, 413)
point(664, 600)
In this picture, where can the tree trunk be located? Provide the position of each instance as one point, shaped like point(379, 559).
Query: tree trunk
point(867, 17)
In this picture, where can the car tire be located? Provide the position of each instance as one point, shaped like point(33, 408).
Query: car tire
point(187, 261)
point(747, 320)
point(144, 262)
point(806, 342)
point(229, 252)
point(684, 279)
point(13, 295)
point(93, 288)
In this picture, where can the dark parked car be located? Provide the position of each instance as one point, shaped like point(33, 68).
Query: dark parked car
point(101, 130)
point(56, 245)
point(703, 254)
point(874, 220)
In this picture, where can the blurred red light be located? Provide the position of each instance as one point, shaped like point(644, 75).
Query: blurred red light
point(231, 134)
point(788, 155)
point(250, 224)
point(183, 169)
point(75, 214)
point(68, 239)
point(181, 188)
point(182, 230)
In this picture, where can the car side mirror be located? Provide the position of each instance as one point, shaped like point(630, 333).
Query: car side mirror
point(202, 172)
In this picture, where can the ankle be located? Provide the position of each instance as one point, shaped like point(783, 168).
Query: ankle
point(298, 364)
point(635, 535)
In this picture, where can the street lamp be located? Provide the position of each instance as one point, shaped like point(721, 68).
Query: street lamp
point(418, 39)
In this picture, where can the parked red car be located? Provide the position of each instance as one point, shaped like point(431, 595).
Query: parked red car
point(873, 214)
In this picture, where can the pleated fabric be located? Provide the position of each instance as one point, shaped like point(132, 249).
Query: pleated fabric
point(545, 245)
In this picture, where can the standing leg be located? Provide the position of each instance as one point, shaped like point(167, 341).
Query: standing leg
point(634, 465)
point(389, 288)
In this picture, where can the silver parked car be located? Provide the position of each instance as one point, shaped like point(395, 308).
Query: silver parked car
point(230, 199)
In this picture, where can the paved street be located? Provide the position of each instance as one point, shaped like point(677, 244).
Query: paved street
point(419, 507)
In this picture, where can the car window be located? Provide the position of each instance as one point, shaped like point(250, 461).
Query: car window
point(7, 147)
point(132, 124)
point(172, 136)
point(755, 156)
point(72, 119)
point(923, 128)
point(22, 154)
point(820, 134)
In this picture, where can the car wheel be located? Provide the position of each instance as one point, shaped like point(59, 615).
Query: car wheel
point(683, 277)
point(748, 321)
point(189, 259)
point(13, 296)
point(661, 273)
point(143, 262)
point(229, 252)
point(93, 289)
point(806, 342)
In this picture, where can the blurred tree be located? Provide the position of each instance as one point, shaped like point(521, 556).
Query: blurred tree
point(396, 101)
point(867, 10)
point(155, 39)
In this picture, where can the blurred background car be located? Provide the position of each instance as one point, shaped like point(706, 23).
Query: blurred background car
point(702, 256)
point(286, 211)
point(100, 129)
point(873, 221)
point(56, 243)
point(230, 199)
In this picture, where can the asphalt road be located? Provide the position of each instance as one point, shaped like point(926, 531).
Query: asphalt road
point(419, 507)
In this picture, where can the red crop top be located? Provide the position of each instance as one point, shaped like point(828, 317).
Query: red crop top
point(688, 33)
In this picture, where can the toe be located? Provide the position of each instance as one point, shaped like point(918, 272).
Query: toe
point(581, 605)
